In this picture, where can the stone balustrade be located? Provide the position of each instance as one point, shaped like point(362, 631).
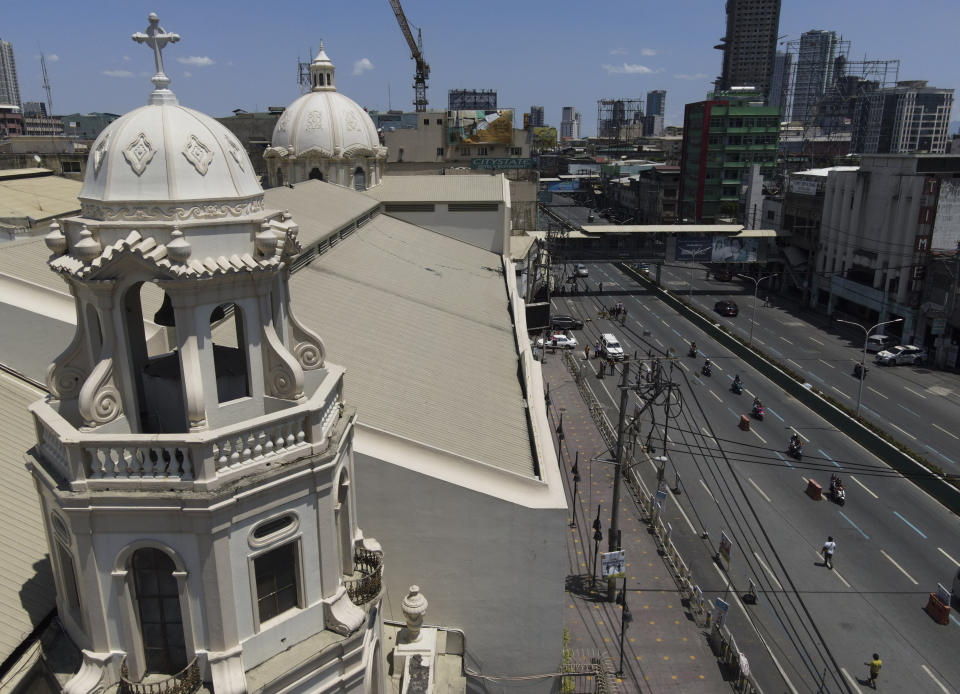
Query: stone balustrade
point(91, 460)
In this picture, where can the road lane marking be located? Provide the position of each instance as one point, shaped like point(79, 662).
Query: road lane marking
point(908, 409)
point(939, 683)
point(945, 431)
point(949, 460)
point(902, 431)
point(940, 549)
point(853, 682)
point(657, 340)
point(816, 377)
point(704, 484)
point(683, 366)
point(816, 340)
point(770, 410)
point(834, 571)
point(897, 514)
point(762, 493)
point(880, 394)
point(769, 572)
point(827, 456)
point(955, 620)
point(714, 395)
point(780, 455)
point(801, 438)
point(915, 392)
point(786, 339)
point(664, 322)
point(864, 487)
point(854, 525)
point(899, 567)
point(841, 392)
point(758, 435)
point(717, 367)
point(677, 332)
point(826, 363)
point(794, 363)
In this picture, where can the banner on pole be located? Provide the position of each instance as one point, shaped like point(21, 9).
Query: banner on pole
point(613, 564)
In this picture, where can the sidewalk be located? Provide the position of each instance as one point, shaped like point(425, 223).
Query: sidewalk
point(664, 648)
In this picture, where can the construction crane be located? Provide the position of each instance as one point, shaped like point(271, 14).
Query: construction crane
point(416, 52)
point(46, 84)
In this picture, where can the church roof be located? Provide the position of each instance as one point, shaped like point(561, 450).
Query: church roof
point(321, 208)
point(421, 323)
point(433, 188)
point(27, 593)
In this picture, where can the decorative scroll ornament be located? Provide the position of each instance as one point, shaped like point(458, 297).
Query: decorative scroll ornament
point(139, 153)
point(127, 213)
point(351, 122)
point(284, 373)
point(237, 153)
point(198, 154)
point(100, 153)
point(314, 120)
point(99, 400)
point(68, 371)
point(308, 348)
point(282, 125)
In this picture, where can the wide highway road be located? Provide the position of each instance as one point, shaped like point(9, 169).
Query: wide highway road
point(812, 628)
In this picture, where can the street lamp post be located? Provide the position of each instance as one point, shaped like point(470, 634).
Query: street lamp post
point(576, 483)
point(625, 618)
point(597, 538)
point(756, 285)
point(863, 363)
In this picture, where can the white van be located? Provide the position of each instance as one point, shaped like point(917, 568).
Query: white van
point(878, 343)
point(610, 347)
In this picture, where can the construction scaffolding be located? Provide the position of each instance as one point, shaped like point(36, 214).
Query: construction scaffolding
point(619, 119)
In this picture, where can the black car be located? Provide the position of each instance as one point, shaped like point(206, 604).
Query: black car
point(564, 322)
point(726, 308)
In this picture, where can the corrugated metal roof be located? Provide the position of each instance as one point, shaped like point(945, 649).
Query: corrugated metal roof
point(41, 197)
point(662, 228)
point(421, 323)
point(26, 259)
point(454, 188)
point(27, 592)
point(319, 208)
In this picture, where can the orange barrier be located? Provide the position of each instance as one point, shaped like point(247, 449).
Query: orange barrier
point(744, 422)
point(937, 610)
point(814, 490)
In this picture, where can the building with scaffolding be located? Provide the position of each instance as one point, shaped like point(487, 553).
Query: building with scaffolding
point(781, 81)
point(816, 55)
point(749, 44)
point(619, 119)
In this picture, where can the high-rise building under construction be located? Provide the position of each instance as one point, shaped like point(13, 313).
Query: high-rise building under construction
point(815, 64)
point(9, 86)
point(749, 44)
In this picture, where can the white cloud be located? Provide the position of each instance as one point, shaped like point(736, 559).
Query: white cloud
point(52, 58)
point(187, 74)
point(618, 51)
point(362, 66)
point(126, 58)
point(117, 73)
point(198, 60)
point(698, 76)
point(629, 69)
point(648, 51)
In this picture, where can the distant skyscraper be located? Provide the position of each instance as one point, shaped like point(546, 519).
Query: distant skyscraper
point(815, 60)
point(749, 44)
point(34, 108)
point(657, 102)
point(570, 124)
point(780, 82)
point(9, 86)
point(536, 116)
point(910, 117)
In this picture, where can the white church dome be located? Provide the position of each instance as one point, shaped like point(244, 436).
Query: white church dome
point(327, 135)
point(167, 152)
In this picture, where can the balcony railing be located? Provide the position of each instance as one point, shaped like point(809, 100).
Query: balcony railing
point(370, 567)
point(91, 460)
point(186, 681)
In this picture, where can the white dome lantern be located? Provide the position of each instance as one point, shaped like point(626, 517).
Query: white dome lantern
point(325, 135)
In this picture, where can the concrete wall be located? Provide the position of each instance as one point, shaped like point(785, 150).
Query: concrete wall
point(489, 566)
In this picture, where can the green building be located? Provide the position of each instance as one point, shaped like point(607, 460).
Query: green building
point(722, 138)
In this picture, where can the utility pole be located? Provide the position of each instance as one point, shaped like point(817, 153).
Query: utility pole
point(614, 536)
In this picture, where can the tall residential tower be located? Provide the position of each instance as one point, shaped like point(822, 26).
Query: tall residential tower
point(815, 62)
point(749, 44)
point(9, 86)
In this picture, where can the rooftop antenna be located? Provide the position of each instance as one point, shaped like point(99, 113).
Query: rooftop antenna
point(46, 85)
point(303, 73)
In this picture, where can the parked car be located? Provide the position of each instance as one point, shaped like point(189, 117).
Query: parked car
point(726, 308)
point(878, 343)
point(902, 354)
point(581, 270)
point(565, 322)
point(610, 347)
point(562, 339)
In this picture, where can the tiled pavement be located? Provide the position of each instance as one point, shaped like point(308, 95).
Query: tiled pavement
point(664, 649)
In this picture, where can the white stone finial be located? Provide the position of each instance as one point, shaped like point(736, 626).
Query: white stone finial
point(55, 240)
point(179, 248)
point(87, 248)
point(157, 38)
point(414, 607)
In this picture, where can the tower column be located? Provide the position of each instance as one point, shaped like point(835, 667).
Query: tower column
point(193, 361)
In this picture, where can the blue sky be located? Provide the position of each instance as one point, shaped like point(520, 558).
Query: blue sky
point(235, 55)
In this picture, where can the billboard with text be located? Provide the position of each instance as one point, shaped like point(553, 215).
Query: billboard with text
point(480, 127)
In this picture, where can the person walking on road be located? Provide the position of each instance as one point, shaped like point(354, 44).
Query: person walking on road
point(829, 547)
point(874, 666)
point(586, 352)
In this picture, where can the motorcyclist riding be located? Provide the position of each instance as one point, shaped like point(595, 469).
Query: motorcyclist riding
point(737, 384)
point(693, 349)
point(707, 368)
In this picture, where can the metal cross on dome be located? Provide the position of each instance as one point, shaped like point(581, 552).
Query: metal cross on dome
point(157, 38)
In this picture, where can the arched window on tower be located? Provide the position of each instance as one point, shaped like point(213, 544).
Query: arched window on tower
point(316, 174)
point(158, 606)
point(230, 353)
point(154, 363)
point(344, 533)
point(360, 179)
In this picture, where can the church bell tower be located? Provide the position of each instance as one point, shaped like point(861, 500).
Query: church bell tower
point(194, 457)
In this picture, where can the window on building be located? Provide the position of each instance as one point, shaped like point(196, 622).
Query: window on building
point(516, 151)
point(439, 121)
point(70, 166)
point(481, 151)
point(439, 151)
point(69, 575)
point(464, 151)
point(426, 121)
point(277, 586)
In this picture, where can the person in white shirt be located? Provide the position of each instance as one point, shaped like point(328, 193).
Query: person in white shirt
point(829, 547)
